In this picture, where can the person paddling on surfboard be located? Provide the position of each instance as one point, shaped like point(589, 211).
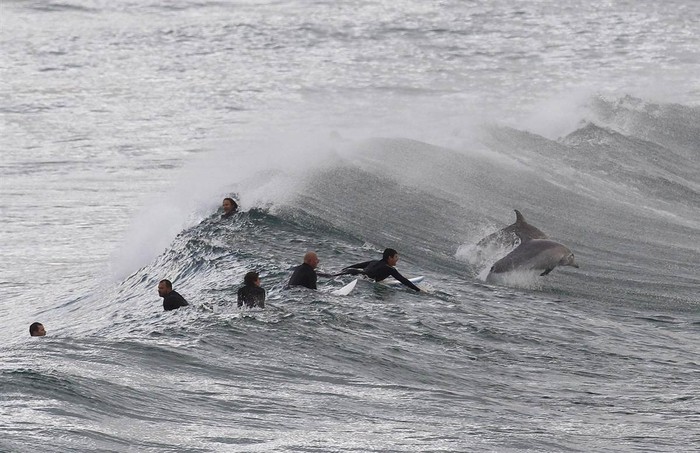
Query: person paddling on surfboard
point(378, 270)
point(305, 274)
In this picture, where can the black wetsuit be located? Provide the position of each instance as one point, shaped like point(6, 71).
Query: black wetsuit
point(173, 301)
point(378, 270)
point(251, 296)
point(303, 275)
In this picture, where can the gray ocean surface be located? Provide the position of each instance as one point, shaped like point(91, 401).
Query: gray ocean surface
point(346, 127)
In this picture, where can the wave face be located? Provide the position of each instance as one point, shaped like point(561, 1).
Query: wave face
point(345, 128)
point(613, 340)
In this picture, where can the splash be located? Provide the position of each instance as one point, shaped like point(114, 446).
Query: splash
point(266, 173)
point(525, 279)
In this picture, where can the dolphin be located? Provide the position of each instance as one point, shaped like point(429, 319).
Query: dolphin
point(509, 236)
point(535, 254)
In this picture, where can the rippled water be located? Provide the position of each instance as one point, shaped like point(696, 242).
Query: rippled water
point(347, 127)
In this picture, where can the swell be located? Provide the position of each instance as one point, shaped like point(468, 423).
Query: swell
point(673, 126)
point(627, 206)
point(636, 241)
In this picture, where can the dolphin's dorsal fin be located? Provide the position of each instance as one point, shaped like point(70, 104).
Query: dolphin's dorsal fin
point(519, 219)
point(519, 224)
point(524, 230)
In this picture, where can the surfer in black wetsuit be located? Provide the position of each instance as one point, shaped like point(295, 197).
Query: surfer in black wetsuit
point(230, 207)
point(251, 294)
point(36, 329)
point(172, 300)
point(305, 274)
point(378, 270)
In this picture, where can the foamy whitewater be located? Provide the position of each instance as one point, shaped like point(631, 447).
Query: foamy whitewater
point(345, 128)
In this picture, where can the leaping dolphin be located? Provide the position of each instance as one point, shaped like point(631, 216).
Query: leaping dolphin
point(535, 254)
point(509, 236)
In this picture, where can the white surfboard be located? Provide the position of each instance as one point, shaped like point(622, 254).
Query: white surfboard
point(391, 281)
point(345, 290)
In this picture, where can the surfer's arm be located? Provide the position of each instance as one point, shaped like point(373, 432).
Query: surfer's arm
point(355, 269)
point(350, 271)
point(240, 297)
point(261, 298)
point(404, 280)
point(358, 265)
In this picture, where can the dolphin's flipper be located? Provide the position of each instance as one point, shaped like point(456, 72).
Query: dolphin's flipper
point(547, 271)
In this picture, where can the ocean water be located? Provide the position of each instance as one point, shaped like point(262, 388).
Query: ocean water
point(347, 127)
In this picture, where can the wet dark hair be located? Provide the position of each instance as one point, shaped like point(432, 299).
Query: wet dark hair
point(250, 278)
point(235, 205)
point(388, 253)
point(34, 327)
point(168, 284)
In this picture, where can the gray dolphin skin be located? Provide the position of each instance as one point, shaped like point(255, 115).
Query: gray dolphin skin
point(535, 254)
point(508, 236)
